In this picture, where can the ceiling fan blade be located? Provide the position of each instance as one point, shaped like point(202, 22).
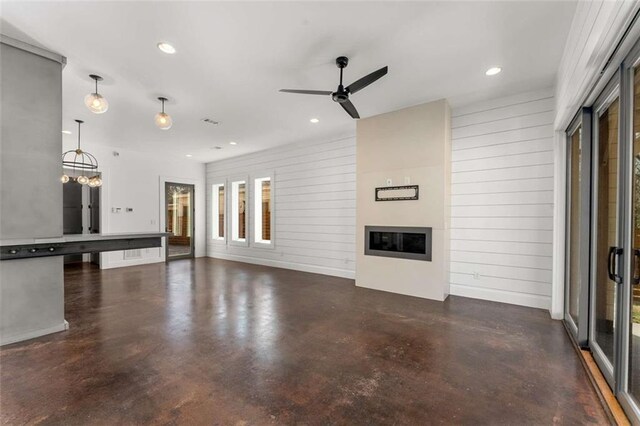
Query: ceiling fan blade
point(351, 110)
point(366, 80)
point(307, 92)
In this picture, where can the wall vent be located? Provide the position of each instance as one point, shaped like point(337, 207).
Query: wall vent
point(132, 254)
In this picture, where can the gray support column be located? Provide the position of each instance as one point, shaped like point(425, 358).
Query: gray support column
point(31, 290)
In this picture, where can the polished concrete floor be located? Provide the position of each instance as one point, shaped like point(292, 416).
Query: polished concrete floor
point(215, 342)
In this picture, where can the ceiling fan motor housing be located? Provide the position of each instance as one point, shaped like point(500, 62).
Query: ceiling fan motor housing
point(340, 96)
point(342, 61)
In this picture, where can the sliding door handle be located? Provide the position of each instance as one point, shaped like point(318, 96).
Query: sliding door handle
point(613, 264)
point(612, 251)
point(636, 267)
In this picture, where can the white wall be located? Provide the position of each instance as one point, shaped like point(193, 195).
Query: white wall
point(502, 199)
point(596, 29)
point(134, 179)
point(314, 207)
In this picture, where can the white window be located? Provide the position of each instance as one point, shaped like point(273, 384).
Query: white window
point(239, 211)
point(262, 208)
point(218, 224)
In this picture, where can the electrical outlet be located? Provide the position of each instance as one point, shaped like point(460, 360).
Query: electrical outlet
point(476, 275)
point(389, 182)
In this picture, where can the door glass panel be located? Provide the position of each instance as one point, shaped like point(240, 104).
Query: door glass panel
point(606, 227)
point(179, 219)
point(573, 254)
point(634, 335)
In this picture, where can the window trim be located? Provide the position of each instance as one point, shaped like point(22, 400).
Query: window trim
point(215, 208)
point(254, 241)
point(231, 210)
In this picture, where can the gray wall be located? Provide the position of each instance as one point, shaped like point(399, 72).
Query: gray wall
point(31, 291)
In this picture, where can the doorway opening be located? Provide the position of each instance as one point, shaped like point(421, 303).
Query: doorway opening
point(179, 214)
point(81, 215)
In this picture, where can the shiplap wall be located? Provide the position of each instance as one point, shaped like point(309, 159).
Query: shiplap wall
point(314, 206)
point(596, 29)
point(502, 199)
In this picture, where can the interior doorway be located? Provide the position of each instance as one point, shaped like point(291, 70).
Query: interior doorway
point(179, 215)
point(81, 215)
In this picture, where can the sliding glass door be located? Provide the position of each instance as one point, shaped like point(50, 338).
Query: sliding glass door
point(605, 228)
point(602, 283)
point(577, 230)
point(629, 371)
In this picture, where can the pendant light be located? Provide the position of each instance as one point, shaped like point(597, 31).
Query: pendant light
point(83, 165)
point(95, 101)
point(163, 120)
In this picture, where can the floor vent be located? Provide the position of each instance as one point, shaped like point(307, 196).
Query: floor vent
point(132, 254)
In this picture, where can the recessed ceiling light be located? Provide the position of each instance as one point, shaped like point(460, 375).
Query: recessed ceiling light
point(233, 143)
point(166, 48)
point(314, 120)
point(493, 71)
point(66, 132)
point(189, 155)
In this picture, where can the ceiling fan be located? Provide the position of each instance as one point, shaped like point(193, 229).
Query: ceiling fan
point(341, 95)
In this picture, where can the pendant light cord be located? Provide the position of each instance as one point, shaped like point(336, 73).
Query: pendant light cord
point(79, 135)
point(96, 86)
point(163, 106)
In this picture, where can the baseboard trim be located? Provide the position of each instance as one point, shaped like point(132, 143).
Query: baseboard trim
point(521, 299)
point(343, 273)
point(33, 334)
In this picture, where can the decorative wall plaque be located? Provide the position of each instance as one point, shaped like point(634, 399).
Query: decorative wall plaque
point(397, 193)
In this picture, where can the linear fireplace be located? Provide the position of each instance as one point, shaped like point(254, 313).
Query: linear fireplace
point(406, 242)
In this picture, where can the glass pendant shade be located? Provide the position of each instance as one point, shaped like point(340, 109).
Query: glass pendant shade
point(163, 120)
point(96, 103)
point(82, 179)
point(64, 178)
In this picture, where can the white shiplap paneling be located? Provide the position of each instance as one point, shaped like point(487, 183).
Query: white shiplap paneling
point(314, 206)
point(502, 199)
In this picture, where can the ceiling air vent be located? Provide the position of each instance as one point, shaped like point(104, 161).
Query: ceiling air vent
point(211, 121)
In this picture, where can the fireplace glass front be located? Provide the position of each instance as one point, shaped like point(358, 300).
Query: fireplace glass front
point(398, 241)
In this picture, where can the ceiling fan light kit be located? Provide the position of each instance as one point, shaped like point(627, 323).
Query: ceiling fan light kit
point(341, 95)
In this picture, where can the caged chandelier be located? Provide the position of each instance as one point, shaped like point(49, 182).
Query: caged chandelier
point(82, 166)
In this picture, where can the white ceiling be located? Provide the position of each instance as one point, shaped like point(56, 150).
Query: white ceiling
point(232, 57)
